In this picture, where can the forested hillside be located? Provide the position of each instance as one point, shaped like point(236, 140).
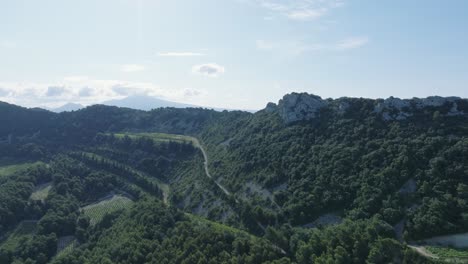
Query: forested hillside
point(306, 180)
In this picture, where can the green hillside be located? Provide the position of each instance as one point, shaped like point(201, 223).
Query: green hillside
point(305, 181)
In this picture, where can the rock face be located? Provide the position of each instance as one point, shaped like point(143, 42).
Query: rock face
point(299, 107)
point(296, 107)
point(400, 109)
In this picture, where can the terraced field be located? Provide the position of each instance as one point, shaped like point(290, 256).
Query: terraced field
point(163, 186)
point(25, 230)
point(10, 169)
point(41, 192)
point(110, 204)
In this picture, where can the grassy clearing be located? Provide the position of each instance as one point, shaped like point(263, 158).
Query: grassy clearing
point(203, 222)
point(114, 203)
point(11, 169)
point(41, 192)
point(25, 230)
point(447, 252)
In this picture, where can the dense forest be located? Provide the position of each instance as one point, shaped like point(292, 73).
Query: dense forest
point(351, 183)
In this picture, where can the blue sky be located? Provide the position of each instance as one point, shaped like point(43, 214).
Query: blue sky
point(230, 53)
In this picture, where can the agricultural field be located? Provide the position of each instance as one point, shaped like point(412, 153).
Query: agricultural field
point(447, 253)
point(111, 204)
point(25, 230)
point(9, 169)
point(66, 245)
point(41, 192)
point(158, 137)
point(165, 188)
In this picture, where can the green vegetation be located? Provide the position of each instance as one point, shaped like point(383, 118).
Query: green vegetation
point(447, 252)
point(15, 168)
point(66, 245)
point(169, 237)
point(158, 137)
point(374, 172)
point(97, 211)
point(41, 192)
point(24, 231)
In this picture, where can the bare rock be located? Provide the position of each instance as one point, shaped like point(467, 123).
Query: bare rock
point(300, 107)
point(271, 107)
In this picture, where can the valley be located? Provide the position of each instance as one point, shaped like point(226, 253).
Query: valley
point(306, 180)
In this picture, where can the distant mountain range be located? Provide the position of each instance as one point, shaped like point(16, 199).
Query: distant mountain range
point(68, 107)
point(146, 103)
point(139, 102)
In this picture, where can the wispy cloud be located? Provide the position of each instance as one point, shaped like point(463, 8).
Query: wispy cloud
point(352, 43)
point(288, 48)
point(180, 54)
point(208, 69)
point(132, 68)
point(295, 48)
point(299, 9)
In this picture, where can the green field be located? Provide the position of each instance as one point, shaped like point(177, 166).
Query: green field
point(447, 252)
point(10, 169)
point(41, 192)
point(25, 230)
point(66, 245)
point(97, 211)
point(206, 223)
point(158, 137)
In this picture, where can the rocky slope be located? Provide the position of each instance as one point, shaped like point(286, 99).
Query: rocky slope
point(296, 107)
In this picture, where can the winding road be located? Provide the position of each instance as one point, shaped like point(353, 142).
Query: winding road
point(205, 163)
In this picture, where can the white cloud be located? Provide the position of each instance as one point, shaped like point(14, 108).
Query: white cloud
point(299, 9)
point(55, 91)
point(208, 69)
point(132, 68)
point(87, 91)
point(352, 43)
point(180, 54)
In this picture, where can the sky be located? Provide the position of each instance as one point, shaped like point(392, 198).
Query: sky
point(238, 54)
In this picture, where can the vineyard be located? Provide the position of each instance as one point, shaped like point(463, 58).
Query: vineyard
point(14, 168)
point(24, 231)
point(66, 245)
point(158, 137)
point(41, 192)
point(111, 204)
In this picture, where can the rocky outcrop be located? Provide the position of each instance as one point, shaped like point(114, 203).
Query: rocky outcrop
point(298, 107)
point(271, 107)
point(434, 101)
point(400, 109)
